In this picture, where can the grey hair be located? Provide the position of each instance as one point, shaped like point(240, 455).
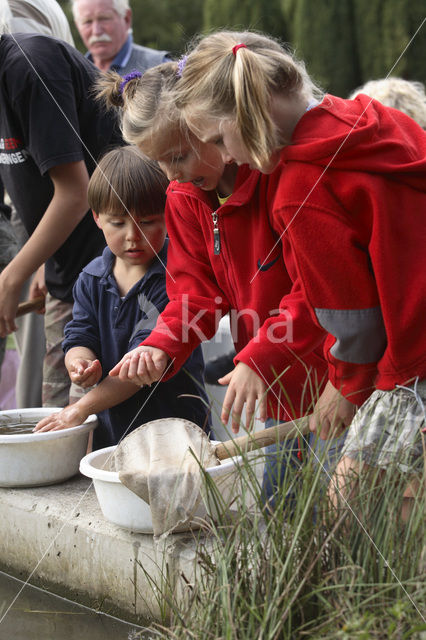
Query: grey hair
point(35, 16)
point(5, 17)
point(407, 96)
point(120, 6)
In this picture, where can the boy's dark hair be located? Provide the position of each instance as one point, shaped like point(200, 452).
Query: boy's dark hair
point(127, 181)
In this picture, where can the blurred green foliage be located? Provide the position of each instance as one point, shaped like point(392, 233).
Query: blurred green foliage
point(343, 42)
point(323, 35)
point(384, 28)
point(263, 15)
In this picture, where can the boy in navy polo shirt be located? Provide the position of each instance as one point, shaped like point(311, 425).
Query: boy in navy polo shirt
point(117, 299)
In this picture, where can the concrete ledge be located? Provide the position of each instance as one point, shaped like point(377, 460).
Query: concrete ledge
point(59, 535)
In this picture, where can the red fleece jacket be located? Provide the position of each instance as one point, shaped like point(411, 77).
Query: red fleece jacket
point(350, 205)
point(246, 279)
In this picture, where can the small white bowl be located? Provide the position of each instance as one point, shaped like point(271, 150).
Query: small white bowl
point(124, 508)
point(38, 459)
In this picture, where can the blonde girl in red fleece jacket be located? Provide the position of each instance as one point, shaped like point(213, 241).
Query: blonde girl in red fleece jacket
point(349, 208)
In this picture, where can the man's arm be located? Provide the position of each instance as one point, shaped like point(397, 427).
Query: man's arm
point(66, 209)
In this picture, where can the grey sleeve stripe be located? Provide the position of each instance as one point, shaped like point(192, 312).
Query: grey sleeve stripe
point(360, 333)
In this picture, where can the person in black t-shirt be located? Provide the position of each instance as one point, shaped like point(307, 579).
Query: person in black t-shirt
point(52, 132)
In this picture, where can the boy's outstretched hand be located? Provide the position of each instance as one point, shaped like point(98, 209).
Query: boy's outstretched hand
point(85, 373)
point(142, 366)
point(245, 387)
point(71, 416)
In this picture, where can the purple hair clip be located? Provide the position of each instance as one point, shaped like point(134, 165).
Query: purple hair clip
point(181, 65)
point(129, 76)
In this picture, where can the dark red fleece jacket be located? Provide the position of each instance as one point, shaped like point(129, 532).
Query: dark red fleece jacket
point(350, 206)
point(245, 277)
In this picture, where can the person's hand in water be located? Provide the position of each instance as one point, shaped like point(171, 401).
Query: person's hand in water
point(71, 416)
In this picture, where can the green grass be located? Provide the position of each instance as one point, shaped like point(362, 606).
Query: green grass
point(357, 573)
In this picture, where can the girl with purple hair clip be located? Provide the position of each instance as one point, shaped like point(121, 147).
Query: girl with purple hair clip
point(220, 237)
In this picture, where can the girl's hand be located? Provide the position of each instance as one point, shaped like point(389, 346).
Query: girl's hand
point(245, 387)
point(332, 413)
point(142, 366)
point(85, 373)
point(71, 416)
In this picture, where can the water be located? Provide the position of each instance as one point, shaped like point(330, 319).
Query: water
point(39, 615)
point(16, 428)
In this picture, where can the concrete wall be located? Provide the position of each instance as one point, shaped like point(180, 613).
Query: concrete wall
point(59, 537)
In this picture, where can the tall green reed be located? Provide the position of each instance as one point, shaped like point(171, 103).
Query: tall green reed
point(302, 569)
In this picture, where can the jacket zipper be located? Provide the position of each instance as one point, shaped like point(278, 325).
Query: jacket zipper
point(216, 234)
point(220, 249)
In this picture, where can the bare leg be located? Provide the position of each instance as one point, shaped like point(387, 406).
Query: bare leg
point(349, 476)
point(413, 490)
point(345, 481)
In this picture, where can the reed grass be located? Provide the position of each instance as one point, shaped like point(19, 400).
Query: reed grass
point(303, 570)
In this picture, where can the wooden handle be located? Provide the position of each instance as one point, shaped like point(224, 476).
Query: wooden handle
point(30, 305)
point(260, 439)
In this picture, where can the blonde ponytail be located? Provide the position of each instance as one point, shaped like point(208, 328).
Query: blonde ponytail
point(146, 103)
point(222, 80)
point(107, 90)
point(252, 105)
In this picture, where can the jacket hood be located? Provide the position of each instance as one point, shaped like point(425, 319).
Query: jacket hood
point(361, 135)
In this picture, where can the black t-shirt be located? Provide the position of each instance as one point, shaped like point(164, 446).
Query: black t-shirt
point(48, 117)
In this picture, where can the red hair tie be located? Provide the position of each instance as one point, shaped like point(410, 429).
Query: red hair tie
point(238, 46)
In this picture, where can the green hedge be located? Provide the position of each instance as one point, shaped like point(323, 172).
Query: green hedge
point(343, 42)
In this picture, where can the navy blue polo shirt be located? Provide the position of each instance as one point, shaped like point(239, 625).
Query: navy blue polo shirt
point(111, 326)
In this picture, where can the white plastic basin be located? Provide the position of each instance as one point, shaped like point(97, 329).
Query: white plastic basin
point(38, 459)
point(125, 509)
